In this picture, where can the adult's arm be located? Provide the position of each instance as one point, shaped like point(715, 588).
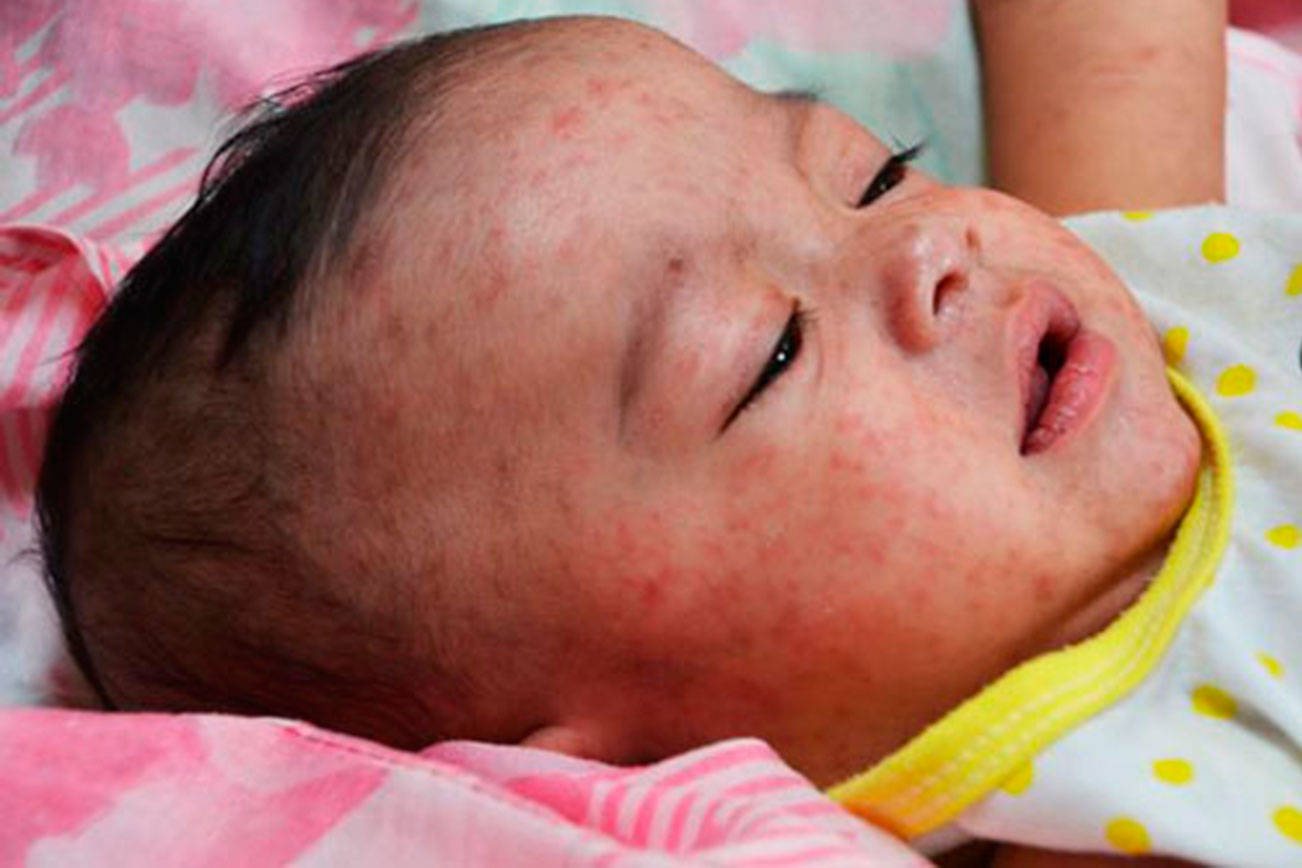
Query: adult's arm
point(1094, 104)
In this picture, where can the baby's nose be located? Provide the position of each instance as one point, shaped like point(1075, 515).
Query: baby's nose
point(926, 267)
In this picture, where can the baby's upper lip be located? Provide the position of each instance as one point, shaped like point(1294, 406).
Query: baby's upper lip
point(1045, 312)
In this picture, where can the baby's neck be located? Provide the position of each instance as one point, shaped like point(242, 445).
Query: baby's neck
point(1115, 598)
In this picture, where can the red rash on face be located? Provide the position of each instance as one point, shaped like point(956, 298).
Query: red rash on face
point(567, 122)
point(1044, 587)
point(918, 596)
point(496, 282)
point(869, 528)
point(843, 462)
point(757, 463)
point(602, 89)
point(576, 161)
point(664, 111)
point(652, 592)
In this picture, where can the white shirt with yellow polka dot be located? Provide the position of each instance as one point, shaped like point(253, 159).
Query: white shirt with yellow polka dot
point(1203, 759)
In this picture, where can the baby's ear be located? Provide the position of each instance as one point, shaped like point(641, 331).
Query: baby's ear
point(573, 740)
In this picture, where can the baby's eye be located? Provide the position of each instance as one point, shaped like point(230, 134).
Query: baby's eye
point(783, 355)
point(889, 175)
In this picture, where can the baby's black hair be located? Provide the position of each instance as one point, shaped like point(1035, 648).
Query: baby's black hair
point(158, 500)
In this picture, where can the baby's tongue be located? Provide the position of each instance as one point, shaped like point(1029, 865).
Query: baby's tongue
point(1035, 398)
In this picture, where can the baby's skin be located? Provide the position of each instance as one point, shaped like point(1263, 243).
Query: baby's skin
point(733, 412)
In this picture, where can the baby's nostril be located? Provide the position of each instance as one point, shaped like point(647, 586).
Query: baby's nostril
point(951, 282)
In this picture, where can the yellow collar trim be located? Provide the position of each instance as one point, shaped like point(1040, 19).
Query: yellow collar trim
point(986, 740)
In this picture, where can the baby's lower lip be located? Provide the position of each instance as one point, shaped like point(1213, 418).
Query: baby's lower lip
point(1077, 392)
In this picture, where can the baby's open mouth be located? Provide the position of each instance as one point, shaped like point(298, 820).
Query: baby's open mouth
point(1047, 329)
point(1048, 361)
point(1065, 371)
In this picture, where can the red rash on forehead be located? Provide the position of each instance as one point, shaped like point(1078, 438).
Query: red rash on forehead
point(601, 88)
point(495, 281)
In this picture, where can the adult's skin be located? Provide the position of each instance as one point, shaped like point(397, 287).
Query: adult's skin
point(1096, 104)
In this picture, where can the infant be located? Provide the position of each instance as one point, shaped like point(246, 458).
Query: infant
point(542, 384)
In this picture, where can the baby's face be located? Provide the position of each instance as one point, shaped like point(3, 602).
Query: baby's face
point(750, 458)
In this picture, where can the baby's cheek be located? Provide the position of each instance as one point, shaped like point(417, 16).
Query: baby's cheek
point(908, 511)
point(667, 574)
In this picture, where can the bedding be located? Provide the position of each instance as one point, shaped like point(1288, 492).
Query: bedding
point(108, 112)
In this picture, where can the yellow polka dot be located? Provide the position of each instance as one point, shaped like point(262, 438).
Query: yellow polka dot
point(1220, 246)
point(1173, 344)
point(1127, 835)
point(1294, 285)
point(1289, 419)
point(1020, 780)
point(1270, 664)
point(1213, 702)
point(1236, 380)
point(1176, 772)
point(1136, 215)
point(1288, 820)
point(1285, 536)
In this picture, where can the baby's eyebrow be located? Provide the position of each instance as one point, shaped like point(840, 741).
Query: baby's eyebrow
point(808, 96)
point(646, 332)
point(799, 104)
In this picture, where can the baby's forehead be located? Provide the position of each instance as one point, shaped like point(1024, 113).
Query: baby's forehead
point(528, 173)
point(517, 240)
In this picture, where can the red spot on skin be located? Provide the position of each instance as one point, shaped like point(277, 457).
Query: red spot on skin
point(495, 282)
point(652, 593)
point(574, 161)
point(849, 424)
point(1043, 588)
point(566, 122)
point(841, 462)
point(918, 597)
point(759, 462)
point(394, 332)
point(686, 366)
point(738, 526)
point(487, 298)
point(664, 111)
point(602, 89)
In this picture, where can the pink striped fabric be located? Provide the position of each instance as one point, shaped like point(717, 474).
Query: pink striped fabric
point(86, 788)
point(51, 287)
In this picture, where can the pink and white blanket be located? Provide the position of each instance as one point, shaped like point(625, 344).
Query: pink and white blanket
point(98, 789)
point(107, 113)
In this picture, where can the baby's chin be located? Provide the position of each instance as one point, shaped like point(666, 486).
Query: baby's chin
point(1171, 491)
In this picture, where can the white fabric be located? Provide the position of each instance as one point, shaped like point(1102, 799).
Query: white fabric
point(1156, 769)
point(1263, 123)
